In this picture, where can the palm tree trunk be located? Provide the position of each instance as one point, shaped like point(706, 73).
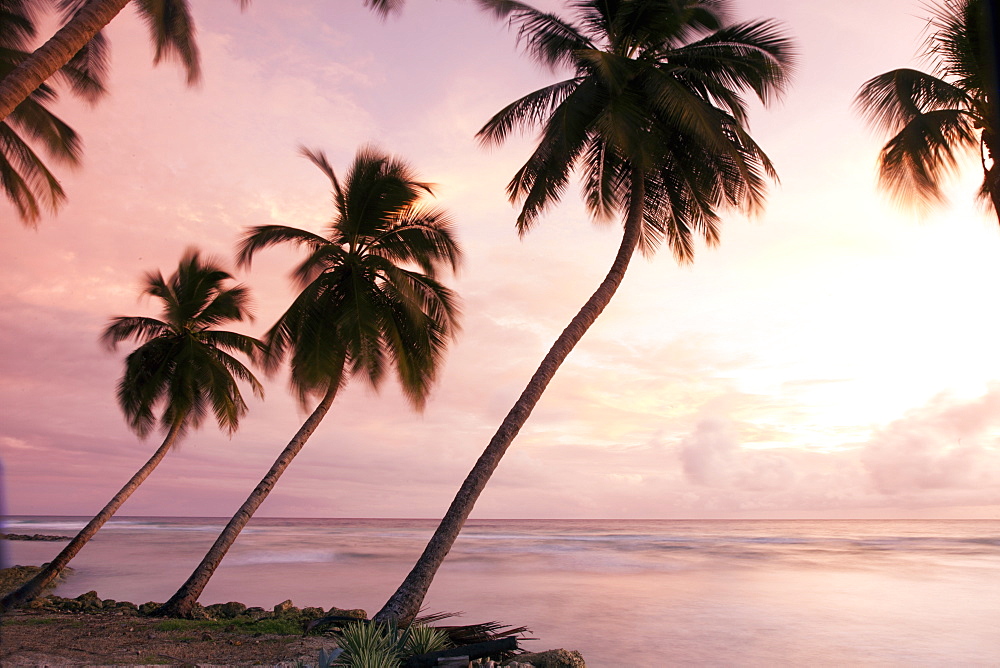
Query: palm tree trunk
point(51, 56)
point(183, 600)
point(36, 585)
point(404, 605)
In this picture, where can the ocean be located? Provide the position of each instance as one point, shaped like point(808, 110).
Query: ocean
point(623, 592)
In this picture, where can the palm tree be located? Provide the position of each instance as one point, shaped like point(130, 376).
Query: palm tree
point(171, 30)
point(24, 176)
point(935, 119)
point(654, 118)
point(369, 299)
point(183, 368)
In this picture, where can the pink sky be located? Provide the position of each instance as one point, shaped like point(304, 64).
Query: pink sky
point(835, 357)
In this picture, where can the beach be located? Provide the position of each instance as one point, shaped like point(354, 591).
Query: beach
point(623, 593)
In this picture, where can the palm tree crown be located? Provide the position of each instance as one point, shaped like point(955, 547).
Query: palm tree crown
point(657, 92)
point(369, 293)
point(183, 364)
point(936, 119)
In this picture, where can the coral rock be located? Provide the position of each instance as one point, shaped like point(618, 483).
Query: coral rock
point(554, 658)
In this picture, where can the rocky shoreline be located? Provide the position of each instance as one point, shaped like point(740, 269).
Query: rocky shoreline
point(89, 630)
point(35, 536)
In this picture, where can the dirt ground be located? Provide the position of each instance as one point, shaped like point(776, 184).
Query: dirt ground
point(34, 638)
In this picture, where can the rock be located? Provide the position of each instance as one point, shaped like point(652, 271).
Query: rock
point(226, 610)
point(127, 608)
point(309, 613)
point(554, 658)
point(357, 613)
point(286, 607)
point(37, 536)
point(148, 608)
point(255, 612)
point(89, 602)
point(70, 605)
point(197, 611)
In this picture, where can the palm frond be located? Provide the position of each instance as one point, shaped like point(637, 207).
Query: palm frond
point(423, 236)
point(264, 236)
point(547, 38)
point(171, 29)
point(914, 162)
point(125, 328)
point(25, 179)
point(891, 100)
point(385, 8)
point(753, 56)
point(525, 112)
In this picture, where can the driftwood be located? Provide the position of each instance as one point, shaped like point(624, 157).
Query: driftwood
point(477, 651)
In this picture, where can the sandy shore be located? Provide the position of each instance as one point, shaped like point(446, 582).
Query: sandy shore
point(42, 638)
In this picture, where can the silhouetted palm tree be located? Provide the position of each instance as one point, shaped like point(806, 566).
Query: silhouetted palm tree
point(26, 180)
point(369, 300)
point(654, 118)
point(171, 31)
point(936, 119)
point(183, 368)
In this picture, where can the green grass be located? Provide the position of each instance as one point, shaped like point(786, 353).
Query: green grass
point(30, 621)
point(283, 627)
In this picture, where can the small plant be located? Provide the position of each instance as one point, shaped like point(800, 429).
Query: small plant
point(375, 645)
point(424, 639)
point(371, 645)
point(327, 659)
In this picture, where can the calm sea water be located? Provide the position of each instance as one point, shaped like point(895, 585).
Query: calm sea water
point(624, 593)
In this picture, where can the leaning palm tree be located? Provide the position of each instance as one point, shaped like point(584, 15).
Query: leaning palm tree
point(172, 32)
point(369, 299)
point(26, 180)
point(654, 118)
point(183, 368)
point(936, 119)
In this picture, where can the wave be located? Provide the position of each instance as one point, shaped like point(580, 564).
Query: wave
point(282, 557)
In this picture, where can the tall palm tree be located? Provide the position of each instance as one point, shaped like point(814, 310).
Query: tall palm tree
point(171, 31)
point(936, 119)
point(171, 28)
point(183, 368)
point(654, 118)
point(369, 299)
point(26, 180)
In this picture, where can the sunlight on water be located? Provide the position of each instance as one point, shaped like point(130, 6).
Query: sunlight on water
point(625, 593)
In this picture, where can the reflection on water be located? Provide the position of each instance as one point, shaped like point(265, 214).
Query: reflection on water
point(626, 593)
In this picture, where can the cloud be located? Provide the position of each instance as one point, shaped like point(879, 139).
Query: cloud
point(948, 444)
